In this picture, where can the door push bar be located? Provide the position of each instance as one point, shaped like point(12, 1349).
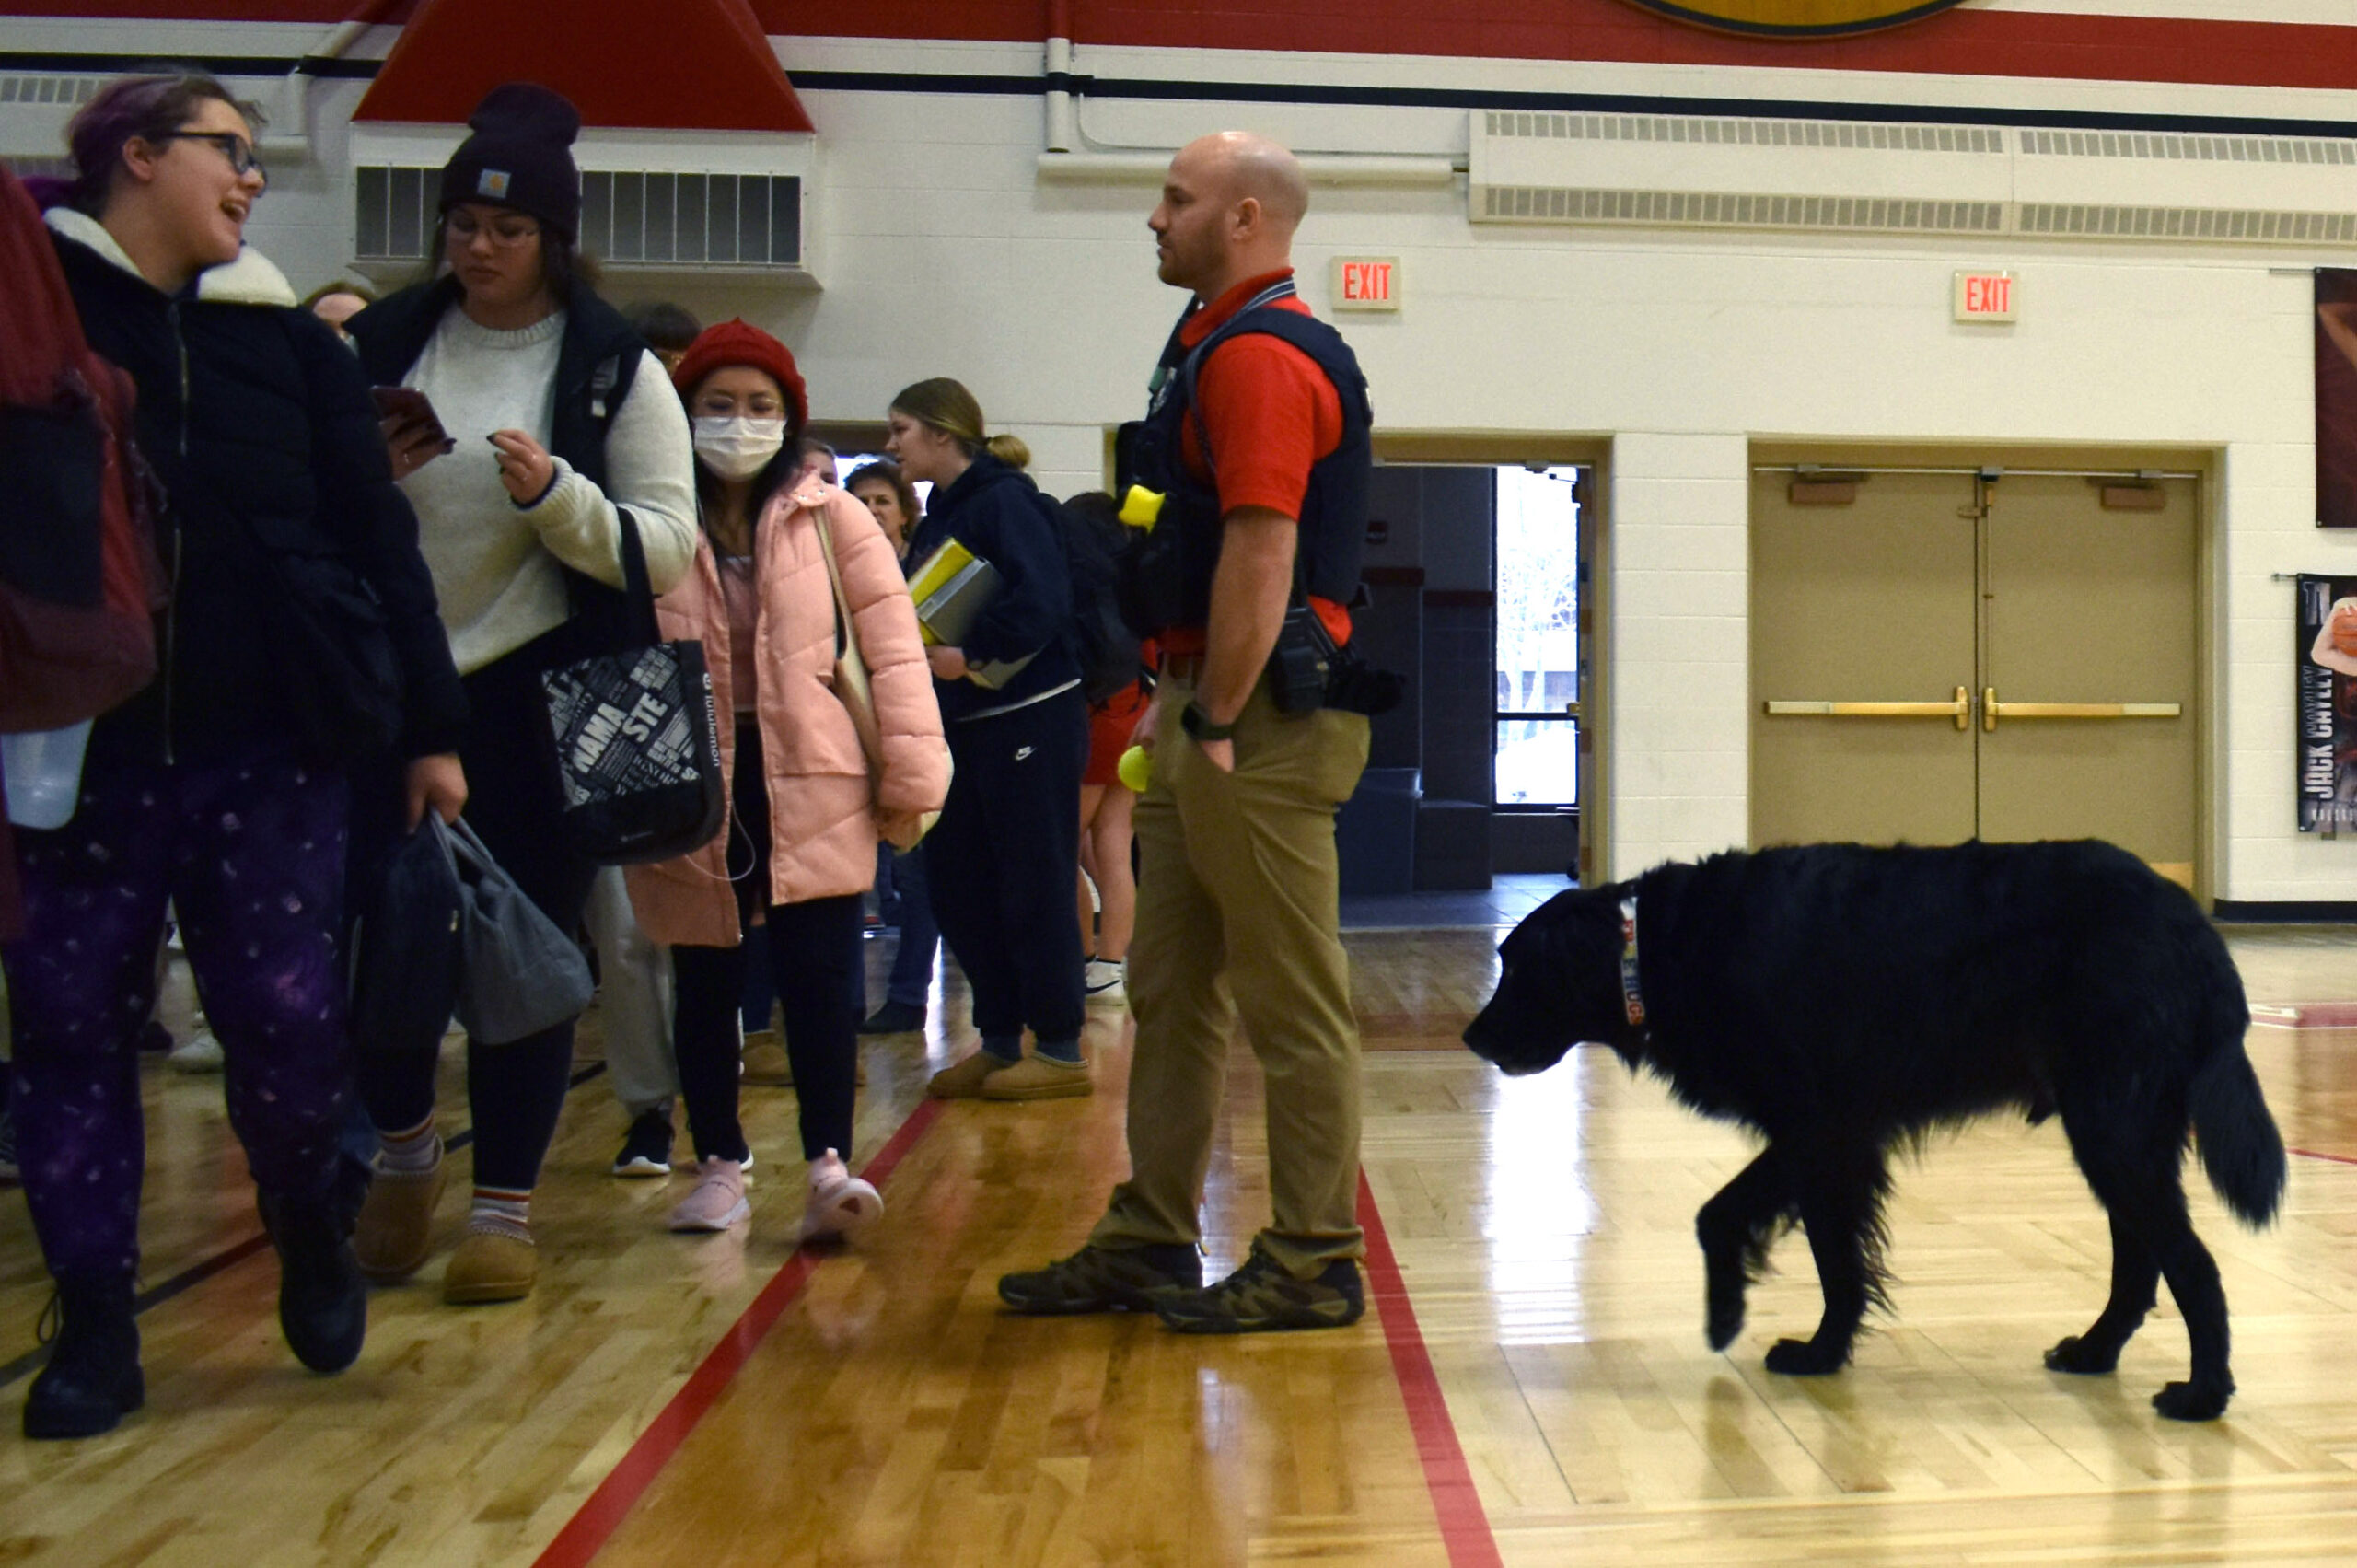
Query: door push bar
point(1958, 709)
point(1992, 710)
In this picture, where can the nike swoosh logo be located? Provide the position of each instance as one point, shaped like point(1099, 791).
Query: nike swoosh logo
point(1021, 753)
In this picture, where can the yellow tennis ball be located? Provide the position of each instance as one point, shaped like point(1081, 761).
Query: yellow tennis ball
point(1136, 768)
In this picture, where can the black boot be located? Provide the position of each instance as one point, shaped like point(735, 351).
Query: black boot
point(323, 1300)
point(92, 1380)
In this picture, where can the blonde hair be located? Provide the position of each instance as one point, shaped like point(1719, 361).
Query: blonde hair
point(948, 407)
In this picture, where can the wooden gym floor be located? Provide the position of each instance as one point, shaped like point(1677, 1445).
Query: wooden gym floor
point(1531, 1386)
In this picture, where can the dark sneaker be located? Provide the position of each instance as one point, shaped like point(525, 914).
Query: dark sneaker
point(1104, 1278)
point(894, 1019)
point(646, 1148)
point(1262, 1296)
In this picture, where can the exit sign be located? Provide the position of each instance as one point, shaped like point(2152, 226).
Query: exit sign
point(1366, 283)
point(1987, 296)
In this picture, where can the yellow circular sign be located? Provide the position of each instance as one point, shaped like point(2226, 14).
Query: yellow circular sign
point(1797, 18)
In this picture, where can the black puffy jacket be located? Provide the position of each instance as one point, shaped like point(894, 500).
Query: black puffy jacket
point(258, 425)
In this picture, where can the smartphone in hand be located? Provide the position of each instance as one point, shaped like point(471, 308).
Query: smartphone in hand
point(410, 408)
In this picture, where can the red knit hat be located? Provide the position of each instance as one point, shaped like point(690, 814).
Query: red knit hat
point(739, 342)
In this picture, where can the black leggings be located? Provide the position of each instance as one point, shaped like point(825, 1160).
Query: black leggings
point(814, 955)
point(516, 1089)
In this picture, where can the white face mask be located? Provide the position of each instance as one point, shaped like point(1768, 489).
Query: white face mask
point(739, 449)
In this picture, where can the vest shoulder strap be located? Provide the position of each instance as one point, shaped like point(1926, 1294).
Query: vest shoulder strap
point(1313, 337)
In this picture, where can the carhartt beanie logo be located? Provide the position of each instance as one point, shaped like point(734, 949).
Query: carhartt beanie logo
point(520, 155)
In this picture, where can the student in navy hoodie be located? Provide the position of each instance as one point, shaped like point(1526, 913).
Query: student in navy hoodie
point(1000, 860)
point(218, 787)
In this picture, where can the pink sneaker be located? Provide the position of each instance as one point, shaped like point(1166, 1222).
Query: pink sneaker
point(840, 1204)
point(718, 1200)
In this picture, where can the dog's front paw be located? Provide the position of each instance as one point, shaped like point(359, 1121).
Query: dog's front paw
point(2193, 1401)
point(2084, 1357)
point(1807, 1358)
point(1725, 1319)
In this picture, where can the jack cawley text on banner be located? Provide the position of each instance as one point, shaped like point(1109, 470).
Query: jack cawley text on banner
point(2326, 660)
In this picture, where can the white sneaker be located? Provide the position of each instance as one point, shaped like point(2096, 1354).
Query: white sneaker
point(1104, 981)
point(840, 1204)
point(199, 1053)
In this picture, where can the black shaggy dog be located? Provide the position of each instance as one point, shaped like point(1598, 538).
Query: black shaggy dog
point(1844, 1002)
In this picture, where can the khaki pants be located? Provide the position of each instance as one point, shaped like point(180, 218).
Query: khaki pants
point(1237, 896)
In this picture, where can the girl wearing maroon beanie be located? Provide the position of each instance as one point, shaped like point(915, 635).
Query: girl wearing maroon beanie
point(807, 810)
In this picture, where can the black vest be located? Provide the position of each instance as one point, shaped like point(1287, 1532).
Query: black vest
point(596, 365)
point(1172, 576)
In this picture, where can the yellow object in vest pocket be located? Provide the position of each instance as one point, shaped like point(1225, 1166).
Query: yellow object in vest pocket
point(1142, 508)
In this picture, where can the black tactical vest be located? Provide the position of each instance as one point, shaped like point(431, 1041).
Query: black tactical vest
point(1170, 579)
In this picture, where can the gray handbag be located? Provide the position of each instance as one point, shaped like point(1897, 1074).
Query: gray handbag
point(517, 973)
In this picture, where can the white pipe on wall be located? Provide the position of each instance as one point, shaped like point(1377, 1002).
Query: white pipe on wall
point(1063, 120)
point(289, 127)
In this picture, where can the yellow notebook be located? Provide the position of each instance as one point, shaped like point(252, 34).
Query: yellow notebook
point(950, 589)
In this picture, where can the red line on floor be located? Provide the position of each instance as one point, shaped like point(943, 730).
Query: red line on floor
point(2319, 1155)
point(1464, 1524)
point(587, 1531)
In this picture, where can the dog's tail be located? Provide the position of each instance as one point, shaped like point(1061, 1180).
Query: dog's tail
point(2239, 1146)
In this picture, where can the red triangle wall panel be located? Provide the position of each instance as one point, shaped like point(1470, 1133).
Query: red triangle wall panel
point(670, 66)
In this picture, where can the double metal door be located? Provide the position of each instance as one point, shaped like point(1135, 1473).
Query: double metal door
point(1939, 657)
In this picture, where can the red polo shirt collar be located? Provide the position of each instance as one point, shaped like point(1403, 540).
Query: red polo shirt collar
point(1212, 317)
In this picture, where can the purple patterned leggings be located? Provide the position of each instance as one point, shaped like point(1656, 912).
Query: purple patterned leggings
point(251, 856)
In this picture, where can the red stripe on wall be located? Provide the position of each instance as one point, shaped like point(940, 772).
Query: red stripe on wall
point(1464, 1523)
point(1959, 42)
point(586, 1533)
point(1962, 42)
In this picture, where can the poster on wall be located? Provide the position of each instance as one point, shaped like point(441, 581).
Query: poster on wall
point(2336, 328)
point(2326, 630)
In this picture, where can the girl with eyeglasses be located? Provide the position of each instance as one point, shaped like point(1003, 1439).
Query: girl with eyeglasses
point(219, 787)
point(561, 423)
point(806, 812)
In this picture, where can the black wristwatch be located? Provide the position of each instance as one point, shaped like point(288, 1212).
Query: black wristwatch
point(1198, 724)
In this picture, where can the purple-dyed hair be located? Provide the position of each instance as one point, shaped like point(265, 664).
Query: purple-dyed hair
point(148, 106)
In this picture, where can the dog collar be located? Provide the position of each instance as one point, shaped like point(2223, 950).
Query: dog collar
point(1630, 1001)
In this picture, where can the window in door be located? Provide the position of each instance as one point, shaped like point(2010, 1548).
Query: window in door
point(1535, 765)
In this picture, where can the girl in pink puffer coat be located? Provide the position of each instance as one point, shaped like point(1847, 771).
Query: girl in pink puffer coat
point(806, 812)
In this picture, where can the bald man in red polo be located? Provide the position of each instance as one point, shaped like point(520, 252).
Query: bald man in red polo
point(1259, 433)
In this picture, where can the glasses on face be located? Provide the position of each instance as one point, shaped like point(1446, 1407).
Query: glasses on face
point(243, 159)
point(506, 233)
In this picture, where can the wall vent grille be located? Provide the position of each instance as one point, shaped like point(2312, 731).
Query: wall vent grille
point(1737, 133)
point(2206, 149)
point(642, 219)
point(64, 91)
point(2189, 223)
point(1530, 204)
